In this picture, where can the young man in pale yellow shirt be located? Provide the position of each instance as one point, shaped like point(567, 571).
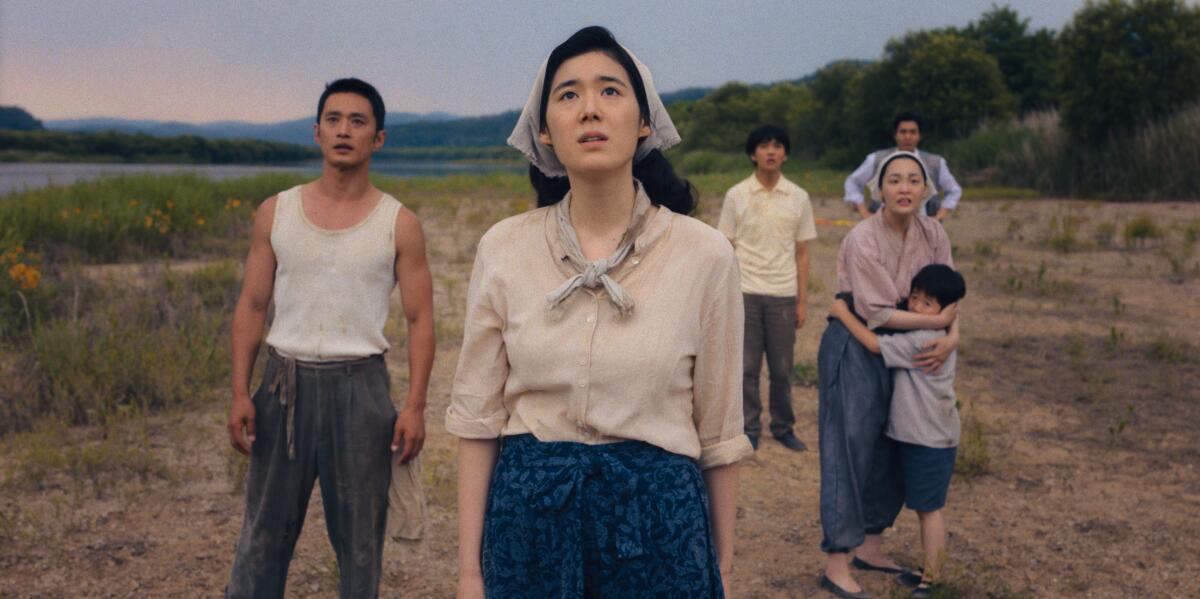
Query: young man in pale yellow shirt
point(770, 221)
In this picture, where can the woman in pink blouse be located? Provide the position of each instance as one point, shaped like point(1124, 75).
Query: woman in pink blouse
point(598, 392)
point(861, 490)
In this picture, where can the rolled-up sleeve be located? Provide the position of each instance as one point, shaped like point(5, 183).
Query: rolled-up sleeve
point(717, 377)
point(853, 187)
point(477, 399)
point(949, 186)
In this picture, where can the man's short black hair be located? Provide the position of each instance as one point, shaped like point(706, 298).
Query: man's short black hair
point(907, 116)
point(768, 133)
point(352, 85)
point(940, 282)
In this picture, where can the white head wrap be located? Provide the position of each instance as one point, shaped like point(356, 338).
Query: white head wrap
point(930, 188)
point(525, 135)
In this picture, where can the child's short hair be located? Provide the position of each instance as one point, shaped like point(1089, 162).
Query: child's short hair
point(941, 282)
point(767, 133)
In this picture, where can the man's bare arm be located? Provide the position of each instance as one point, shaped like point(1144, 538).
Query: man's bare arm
point(249, 319)
point(801, 283)
point(416, 294)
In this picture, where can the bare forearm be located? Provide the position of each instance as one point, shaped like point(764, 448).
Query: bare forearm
point(247, 334)
point(863, 210)
point(942, 213)
point(860, 331)
point(909, 321)
point(802, 272)
point(476, 461)
point(721, 483)
point(421, 349)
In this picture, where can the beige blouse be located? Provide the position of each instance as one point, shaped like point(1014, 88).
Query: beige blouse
point(669, 373)
point(876, 264)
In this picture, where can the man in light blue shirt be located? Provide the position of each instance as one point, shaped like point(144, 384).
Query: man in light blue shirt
point(907, 128)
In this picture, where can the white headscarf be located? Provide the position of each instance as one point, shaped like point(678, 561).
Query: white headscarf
point(525, 135)
point(930, 188)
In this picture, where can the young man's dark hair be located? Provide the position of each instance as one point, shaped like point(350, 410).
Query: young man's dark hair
point(768, 133)
point(352, 85)
point(942, 282)
point(905, 117)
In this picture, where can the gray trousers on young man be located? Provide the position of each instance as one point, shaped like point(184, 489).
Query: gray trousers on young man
point(862, 491)
point(770, 330)
point(339, 432)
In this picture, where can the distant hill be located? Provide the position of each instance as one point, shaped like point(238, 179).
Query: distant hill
point(298, 131)
point(14, 118)
point(489, 130)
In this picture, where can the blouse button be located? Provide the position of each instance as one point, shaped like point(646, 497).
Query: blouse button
point(637, 261)
point(589, 318)
point(582, 384)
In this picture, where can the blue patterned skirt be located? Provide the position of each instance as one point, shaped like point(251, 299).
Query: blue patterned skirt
point(569, 520)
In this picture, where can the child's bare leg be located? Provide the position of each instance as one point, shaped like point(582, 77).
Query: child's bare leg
point(933, 541)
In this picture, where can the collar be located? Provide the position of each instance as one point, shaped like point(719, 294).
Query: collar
point(647, 230)
point(756, 186)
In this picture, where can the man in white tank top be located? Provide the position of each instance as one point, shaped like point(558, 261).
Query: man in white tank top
point(328, 254)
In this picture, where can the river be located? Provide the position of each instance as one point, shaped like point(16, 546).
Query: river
point(21, 176)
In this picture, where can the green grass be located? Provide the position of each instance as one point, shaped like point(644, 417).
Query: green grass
point(124, 346)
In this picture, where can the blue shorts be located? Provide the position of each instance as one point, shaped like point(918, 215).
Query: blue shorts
point(927, 473)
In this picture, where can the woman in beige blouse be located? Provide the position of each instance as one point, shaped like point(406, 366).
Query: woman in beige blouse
point(861, 490)
point(597, 397)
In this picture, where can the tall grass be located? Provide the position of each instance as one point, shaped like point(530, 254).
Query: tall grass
point(1157, 162)
point(120, 346)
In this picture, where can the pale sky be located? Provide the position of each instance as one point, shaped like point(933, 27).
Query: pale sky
point(265, 61)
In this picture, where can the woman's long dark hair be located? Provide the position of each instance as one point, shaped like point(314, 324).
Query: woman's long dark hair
point(658, 179)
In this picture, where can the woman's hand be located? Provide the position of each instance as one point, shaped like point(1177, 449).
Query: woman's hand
point(936, 352)
point(727, 582)
point(946, 317)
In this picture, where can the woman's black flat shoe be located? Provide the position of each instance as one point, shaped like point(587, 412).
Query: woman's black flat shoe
point(862, 565)
point(832, 587)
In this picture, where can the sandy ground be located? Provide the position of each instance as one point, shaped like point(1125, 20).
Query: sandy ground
point(1080, 368)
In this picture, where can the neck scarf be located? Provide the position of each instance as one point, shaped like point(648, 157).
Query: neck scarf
point(593, 274)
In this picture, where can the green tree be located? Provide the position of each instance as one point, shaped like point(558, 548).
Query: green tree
point(940, 74)
point(1124, 63)
point(832, 121)
point(1026, 59)
point(954, 85)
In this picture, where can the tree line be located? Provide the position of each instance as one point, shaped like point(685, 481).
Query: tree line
point(1116, 66)
point(125, 147)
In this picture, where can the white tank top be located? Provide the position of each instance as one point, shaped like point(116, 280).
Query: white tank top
point(332, 287)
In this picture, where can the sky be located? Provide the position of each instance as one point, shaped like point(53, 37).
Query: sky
point(267, 60)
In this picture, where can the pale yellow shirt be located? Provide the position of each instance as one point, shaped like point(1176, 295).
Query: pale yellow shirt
point(668, 374)
point(764, 225)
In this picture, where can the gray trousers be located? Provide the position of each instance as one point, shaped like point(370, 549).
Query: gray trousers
point(862, 490)
point(770, 330)
point(343, 421)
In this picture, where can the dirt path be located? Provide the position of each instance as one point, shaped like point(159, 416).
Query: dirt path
point(1081, 368)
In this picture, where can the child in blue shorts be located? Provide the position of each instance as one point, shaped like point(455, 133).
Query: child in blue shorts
point(923, 418)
